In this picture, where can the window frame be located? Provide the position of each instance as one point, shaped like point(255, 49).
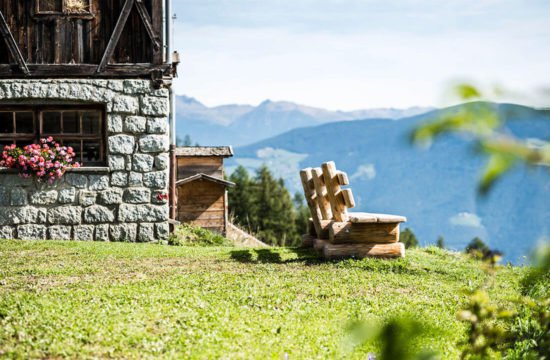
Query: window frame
point(63, 11)
point(38, 125)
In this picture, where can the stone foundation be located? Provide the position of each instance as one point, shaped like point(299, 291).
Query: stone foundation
point(118, 202)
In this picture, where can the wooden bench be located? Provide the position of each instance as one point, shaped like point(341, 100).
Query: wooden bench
point(336, 232)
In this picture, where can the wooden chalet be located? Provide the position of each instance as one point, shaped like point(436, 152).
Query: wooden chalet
point(97, 76)
point(82, 38)
point(201, 187)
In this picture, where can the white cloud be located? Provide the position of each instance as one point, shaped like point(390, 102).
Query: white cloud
point(397, 59)
point(466, 219)
point(364, 172)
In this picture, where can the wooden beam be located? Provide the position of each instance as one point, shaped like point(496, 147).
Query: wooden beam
point(347, 196)
point(148, 22)
point(365, 218)
point(322, 196)
point(384, 251)
point(158, 15)
point(12, 45)
point(86, 70)
point(309, 191)
point(337, 205)
point(343, 179)
point(115, 37)
point(373, 233)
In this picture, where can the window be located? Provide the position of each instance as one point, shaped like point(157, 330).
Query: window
point(81, 128)
point(63, 6)
point(50, 6)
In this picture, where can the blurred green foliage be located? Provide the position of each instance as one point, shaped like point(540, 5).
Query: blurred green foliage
point(482, 121)
point(486, 335)
point(520, 333)
point(494, 332)
point(396, 338)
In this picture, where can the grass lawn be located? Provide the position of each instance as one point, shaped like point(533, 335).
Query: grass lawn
point(77, 299)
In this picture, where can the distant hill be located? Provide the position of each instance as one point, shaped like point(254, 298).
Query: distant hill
point(434, 188)
point(239, 125)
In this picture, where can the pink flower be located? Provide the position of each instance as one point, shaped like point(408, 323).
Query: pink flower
point(46, 161)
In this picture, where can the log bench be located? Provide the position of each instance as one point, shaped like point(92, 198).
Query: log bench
point(337, 233)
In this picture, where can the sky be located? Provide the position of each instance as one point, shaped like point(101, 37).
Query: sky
point(355, 54)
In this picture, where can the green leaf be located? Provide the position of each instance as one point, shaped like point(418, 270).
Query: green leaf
point(498, 165)
point(467, 92)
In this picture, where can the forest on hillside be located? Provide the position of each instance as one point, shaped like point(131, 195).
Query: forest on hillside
point(262, 205)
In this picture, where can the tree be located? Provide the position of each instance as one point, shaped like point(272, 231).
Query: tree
point(264, 206)
point(477, 247)
point(240, 197)
point(274, 215)
point(187, 140)
point(302, 213)
point(408, 238)
point(440, 242)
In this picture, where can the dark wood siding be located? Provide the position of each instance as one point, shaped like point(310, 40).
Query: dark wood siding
point(202, 203)
point(189, 166)
point(80, 38)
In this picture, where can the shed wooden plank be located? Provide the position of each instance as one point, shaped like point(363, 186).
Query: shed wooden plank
point(206, 223)
point(211, 217)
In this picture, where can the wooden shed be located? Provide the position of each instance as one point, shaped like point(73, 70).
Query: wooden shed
point(201, 187)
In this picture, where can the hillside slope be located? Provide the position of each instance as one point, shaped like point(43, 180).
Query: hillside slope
point(117, 300)
point(434, 188)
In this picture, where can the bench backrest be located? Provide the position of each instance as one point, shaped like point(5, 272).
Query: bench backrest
point(325, 197)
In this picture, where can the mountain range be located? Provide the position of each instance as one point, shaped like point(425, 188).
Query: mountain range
point(240, 125)
point(434, 188)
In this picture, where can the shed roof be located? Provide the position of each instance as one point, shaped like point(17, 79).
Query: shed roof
point(202, 176)
point(221, 151)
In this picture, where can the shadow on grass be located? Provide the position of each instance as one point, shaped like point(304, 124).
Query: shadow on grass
point(310, 257)
point(270, 256)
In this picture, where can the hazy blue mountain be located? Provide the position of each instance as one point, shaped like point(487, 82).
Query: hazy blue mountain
point(244, 124)
point(434, 188)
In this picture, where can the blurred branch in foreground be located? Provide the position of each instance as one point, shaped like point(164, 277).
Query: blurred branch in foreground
point(484, 123)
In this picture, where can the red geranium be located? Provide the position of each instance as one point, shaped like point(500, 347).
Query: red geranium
point(46, 162)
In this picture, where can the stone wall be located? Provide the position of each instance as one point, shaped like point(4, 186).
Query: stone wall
point(118, 202)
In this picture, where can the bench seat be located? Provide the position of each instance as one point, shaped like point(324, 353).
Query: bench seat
point(369, 218)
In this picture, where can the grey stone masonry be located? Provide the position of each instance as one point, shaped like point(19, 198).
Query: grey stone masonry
point(117, 202)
